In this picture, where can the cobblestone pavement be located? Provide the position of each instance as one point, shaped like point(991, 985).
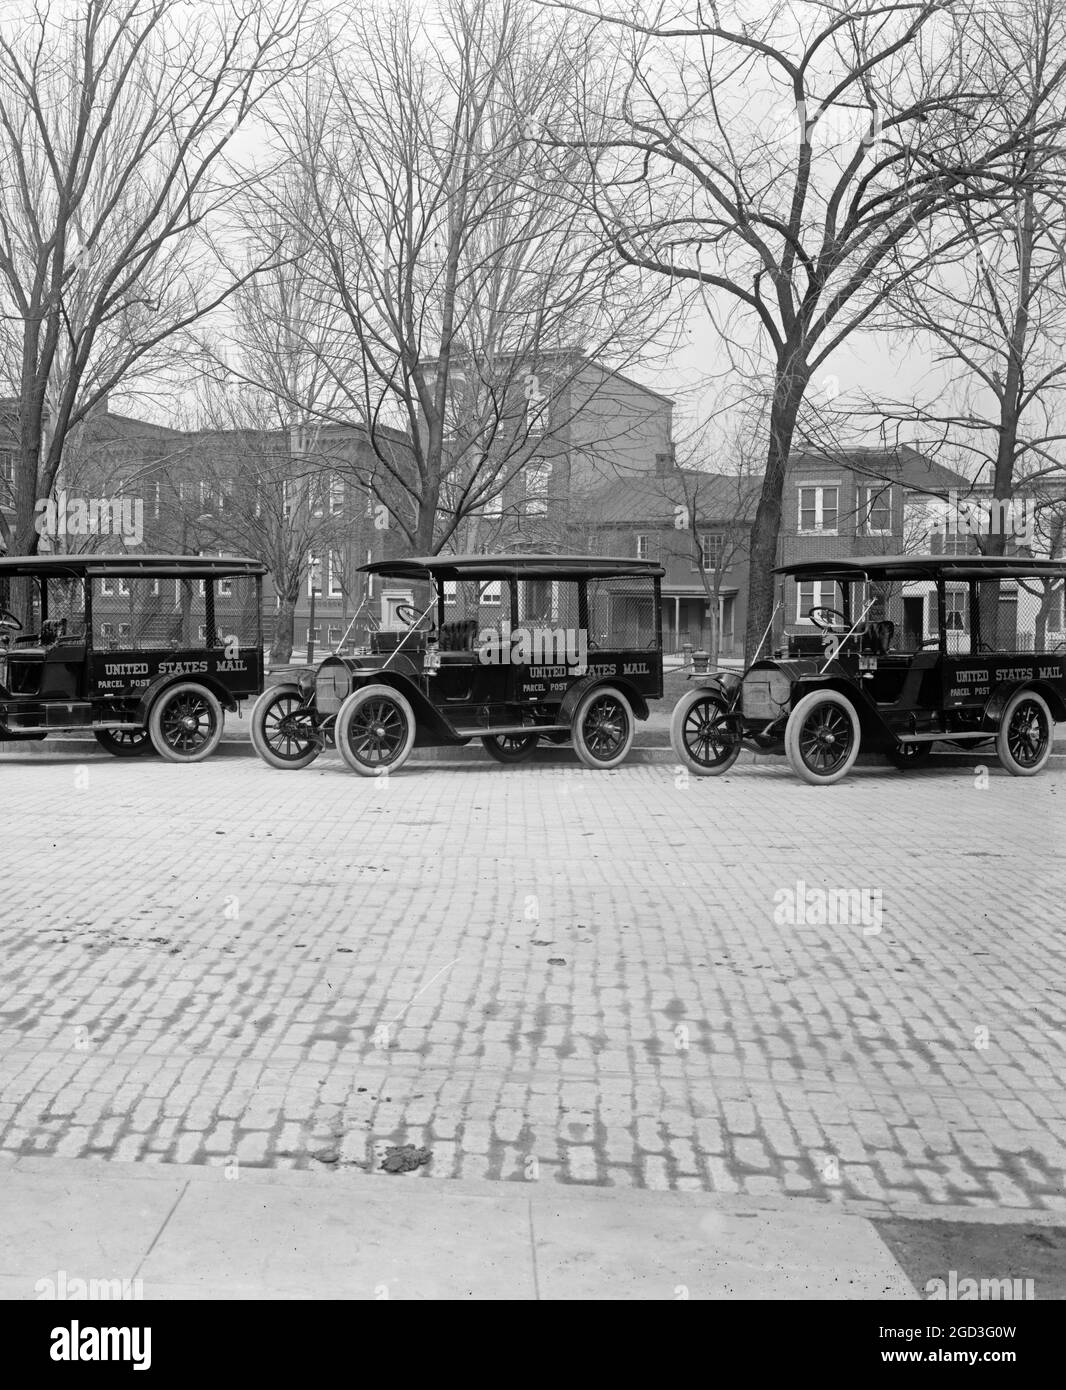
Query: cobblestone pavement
point(541, 972)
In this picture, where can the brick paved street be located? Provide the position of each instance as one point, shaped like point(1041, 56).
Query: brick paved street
point(541, 972)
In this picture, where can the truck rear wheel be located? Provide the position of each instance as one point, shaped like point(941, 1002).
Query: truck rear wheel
point(186, 723)
point(1025, 732)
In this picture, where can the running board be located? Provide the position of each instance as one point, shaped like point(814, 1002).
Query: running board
point(946, 738)
point(500, 729)
point(68, 728)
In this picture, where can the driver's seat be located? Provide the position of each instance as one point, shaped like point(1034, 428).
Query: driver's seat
point(877, 638)
point(458, 636)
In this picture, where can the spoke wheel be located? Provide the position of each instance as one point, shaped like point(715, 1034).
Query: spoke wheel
point(282, 732)
point(909, 755)
point(124, 743)
point(375, 730)
point(822, 737)
point(509, 748)
point(186, 723)
point(603, 728)
point(704, 733)
point(1025, 731)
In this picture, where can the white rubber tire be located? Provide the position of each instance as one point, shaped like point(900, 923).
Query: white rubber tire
point(581, 744)
point(260, 712)
point(162, 735)
point(1042, 714)
point(348, 712)
point(794, 730)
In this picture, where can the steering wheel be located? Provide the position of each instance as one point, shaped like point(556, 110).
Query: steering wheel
point(817, 617)
point(9, 622)
point(1058, 649)
point(407, 613)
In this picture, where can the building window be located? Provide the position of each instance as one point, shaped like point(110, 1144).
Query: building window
point(537, 477)
point(451, 591)
point(334, 635)
point(955, 610)
point(314, 575)
point(943, 542)
point(288, 497)
point(107, 631)
point(537, 400)
point(314, 634)
point(225, 494)
point(818, 509)
point(370, 577)
point(7, 466)
point(711, 548)
point(490, 591)
point(156, 490)
point(643, 547)
point(877, 511)
point(336, 494)
point(1054, 612)
point(108, 590)
point(818, 593)
point(336, 575)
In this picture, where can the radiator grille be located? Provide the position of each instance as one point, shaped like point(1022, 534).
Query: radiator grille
point(765, 694)
point(332, 685)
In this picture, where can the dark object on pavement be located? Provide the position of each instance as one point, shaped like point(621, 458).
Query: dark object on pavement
point(404, 1158)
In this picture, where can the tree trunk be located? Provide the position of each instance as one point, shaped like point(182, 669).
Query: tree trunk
point(284, 630)
point(790, 383)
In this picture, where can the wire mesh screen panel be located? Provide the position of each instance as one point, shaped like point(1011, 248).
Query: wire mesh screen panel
point(143, 613)
point(892, 624)
point(549, 603)
point(472, 608)
point(622, 613)
point(237, 613)
point(993, 621)
point(66, 609)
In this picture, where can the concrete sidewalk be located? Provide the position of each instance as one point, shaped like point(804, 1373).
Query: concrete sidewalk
point(191, 1232)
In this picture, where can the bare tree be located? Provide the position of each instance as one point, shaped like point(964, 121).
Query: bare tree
point(713, 518)
point(116, 119)
point(786, 164)
point(995, 310)
point(1047, 498)
point(252, 482)
point(267, 390)
point(464, 285)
